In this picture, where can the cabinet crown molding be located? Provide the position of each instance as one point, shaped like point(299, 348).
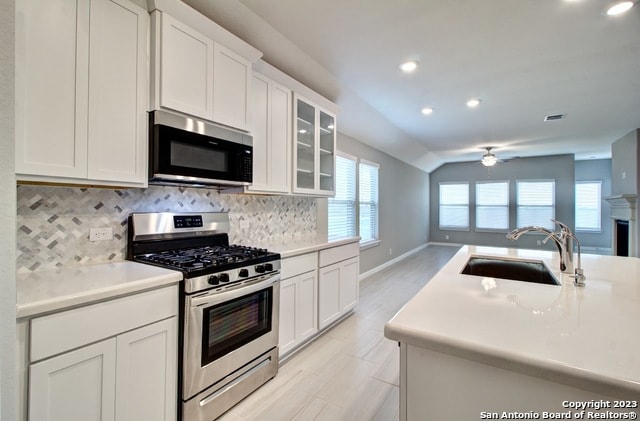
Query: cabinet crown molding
point(205, 26)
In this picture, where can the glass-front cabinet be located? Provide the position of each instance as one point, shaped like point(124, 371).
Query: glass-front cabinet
point(314, 150)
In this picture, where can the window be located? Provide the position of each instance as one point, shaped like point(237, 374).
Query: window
point(454, 205)
point(588, 211)
point(492, 205)
point(368, 201)
point(342, 207)
point(535, 203)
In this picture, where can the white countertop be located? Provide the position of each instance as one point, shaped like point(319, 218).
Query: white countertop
point(588, 336)
point(294, 248)
point(54, 290)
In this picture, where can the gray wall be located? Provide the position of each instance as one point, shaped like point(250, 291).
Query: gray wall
point(593, 170)
point(625, 155)
point(7, 214)
point(557, 167)
point(404, 211)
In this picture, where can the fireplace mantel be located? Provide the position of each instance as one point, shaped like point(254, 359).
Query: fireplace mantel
point(623, 206)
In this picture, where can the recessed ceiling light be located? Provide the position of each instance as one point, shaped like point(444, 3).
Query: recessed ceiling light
point(409, 66)
point(619, 7)
point(473, 103)
point(427, 110)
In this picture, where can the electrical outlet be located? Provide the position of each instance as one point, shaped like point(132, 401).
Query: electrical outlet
point(390, 252)
point(539, 242)
point(446, 237)
point(101, 234)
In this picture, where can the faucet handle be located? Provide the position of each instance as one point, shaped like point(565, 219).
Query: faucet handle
point(563, 226)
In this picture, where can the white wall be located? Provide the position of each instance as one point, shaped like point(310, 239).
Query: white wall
point(7, 214)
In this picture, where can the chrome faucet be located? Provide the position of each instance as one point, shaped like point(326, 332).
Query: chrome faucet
point(563, 240)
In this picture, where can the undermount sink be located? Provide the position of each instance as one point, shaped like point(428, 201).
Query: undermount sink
point(514, 269)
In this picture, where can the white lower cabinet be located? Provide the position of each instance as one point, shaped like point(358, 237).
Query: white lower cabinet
point(298, 321)
point(298, 302)
point(126, 376)
point(338, 283)
point(146, 373)
point(338, 290)
point(316, 290)
point(78, 385)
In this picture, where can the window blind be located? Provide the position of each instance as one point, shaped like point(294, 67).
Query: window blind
point(342, 207)
point(368, 200)
point(454, 205)
point(492, 205)
point(535, 203)
point(588, 209)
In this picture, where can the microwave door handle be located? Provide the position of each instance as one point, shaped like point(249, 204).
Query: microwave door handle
point(242, 290)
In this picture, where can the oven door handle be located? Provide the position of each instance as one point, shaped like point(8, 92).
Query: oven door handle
point(245, 289)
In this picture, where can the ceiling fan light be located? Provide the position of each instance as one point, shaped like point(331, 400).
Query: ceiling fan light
point(489, 160)
point(619, 7)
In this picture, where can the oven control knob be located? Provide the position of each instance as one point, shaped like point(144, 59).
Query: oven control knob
point(213, 280)
point(224, 277)
point(243, 273)
point(260, 269)
point(268, 267)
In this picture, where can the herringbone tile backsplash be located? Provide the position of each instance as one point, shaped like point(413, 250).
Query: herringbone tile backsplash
point(53, 222)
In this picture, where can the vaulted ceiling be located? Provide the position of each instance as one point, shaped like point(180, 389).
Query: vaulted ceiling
point(523, 59)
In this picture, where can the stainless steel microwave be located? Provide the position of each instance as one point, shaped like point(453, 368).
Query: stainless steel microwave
point(186, 151)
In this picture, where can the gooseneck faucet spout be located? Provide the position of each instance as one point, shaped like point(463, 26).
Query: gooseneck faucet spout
point(563, 240)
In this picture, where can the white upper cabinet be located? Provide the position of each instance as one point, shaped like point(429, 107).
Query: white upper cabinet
point(271, 115)
point(314, 149)
point(231, 88)
point(186, 63)
point(81, 92)
point(195, 74)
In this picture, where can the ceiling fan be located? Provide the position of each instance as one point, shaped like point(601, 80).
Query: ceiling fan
point(489, 159)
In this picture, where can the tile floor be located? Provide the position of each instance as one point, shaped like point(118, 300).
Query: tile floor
point(351, 371)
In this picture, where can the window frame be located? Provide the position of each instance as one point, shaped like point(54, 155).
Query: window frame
point(506, 207)
point(375, 240)
point(352, 202)
point(597, 230)
point(548, 224)
point(440, 205)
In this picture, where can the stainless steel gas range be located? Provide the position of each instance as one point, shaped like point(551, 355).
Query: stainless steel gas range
point(230, 306)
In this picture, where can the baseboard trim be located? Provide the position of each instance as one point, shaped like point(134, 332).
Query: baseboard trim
point(391, 262)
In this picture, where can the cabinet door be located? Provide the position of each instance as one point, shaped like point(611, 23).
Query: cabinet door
point(304, 151)
point(349, 270)
point(314, 149)
point(260, 115)
point(329, 295)
point(77, 385)
point(271, 130)
point(118, 92)
point(146, 373)
point(51, 84)
point(327, 151)
point(186, 69)
point(231, 88)
point(287, 321)
point(307, 308)
point(280, 139)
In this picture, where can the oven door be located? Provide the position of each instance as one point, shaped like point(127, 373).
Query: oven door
point(226, 330)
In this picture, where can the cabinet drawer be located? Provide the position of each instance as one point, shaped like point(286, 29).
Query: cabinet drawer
point(60, 332)
point(293, 266)
point(337, 254)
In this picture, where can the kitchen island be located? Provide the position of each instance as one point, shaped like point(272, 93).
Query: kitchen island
point(476, 347)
